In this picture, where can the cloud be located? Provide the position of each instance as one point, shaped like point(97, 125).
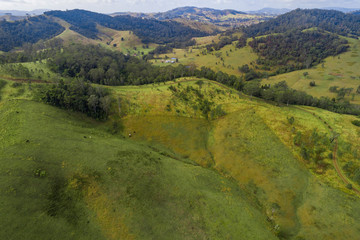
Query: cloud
point(12, 1)
point(223, 1)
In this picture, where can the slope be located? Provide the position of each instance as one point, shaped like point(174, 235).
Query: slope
point(254, 144)
point(340, 72)
point(149, 30)
point(30, 30)
point(64, 176)
point(123, 41)
point(329, 20)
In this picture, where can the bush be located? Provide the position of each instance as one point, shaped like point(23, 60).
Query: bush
point(291, 120)
point(356, 123)
point(2, 84)
point(16, 84)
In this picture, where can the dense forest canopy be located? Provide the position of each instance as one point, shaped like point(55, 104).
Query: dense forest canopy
point(149, 30)
point(31, 30)
point(329, 20)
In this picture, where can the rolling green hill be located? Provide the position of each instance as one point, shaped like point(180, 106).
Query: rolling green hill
point(254, 145)
point(168, 153)
point(180, 159)
point(64, 176)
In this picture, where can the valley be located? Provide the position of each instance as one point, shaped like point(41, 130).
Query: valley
point(180, 125)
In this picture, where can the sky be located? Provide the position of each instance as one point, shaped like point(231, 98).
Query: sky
point(110, 6)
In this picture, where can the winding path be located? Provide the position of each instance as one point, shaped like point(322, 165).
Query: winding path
point(23, 80)
point(335, 162)
point(338, 170)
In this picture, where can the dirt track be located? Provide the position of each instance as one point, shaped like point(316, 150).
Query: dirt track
point(338, 170)
point(23, 80)
point(335, 162)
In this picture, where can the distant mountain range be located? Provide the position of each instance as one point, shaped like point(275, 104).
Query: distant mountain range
point(185, 12)
point(22, 13)
point(177, 26)
point(195, 13)
point(344, 10)
point(188, 12)
point(225, 17)
point(270, 11)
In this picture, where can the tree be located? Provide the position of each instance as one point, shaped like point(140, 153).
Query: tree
point(93, 102)
point(96, 74)
point(252, 88)
point(291, 120)
point(200, 83)
point(105, 104)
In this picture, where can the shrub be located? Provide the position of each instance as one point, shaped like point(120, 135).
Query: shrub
point(16, 84)
point(356, 123)
point(291, 120)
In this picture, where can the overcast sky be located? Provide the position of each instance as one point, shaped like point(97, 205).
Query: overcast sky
point(109, 6)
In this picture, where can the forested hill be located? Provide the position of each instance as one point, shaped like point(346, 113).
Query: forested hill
point(31, 30)
point(149, 30)
point(329, 20)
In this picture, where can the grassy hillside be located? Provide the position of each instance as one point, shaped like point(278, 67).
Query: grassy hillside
point(227, 59)
point(124, 41)
point(64, 176)
point(341, 71)
point(35, 71)
point(254, 145)
point(202, 26)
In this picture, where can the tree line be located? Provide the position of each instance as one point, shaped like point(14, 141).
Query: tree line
point(78, 96)
point(96, 64)
point(102, 66)
point(282, 94)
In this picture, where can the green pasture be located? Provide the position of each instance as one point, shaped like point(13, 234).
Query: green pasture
point(64, 176)
point(253, 145)
point(227, 59)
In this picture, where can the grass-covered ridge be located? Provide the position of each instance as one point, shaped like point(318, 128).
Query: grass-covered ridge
point(255, 144)
point(79, 181)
